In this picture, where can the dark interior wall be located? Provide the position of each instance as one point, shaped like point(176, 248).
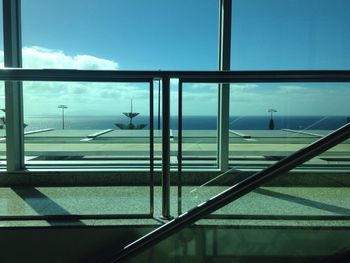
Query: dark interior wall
point(195, 244)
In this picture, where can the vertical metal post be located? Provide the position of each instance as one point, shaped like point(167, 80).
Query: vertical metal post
point(151, 145)
point(179, 151)
point(159, 104)
point(166, 148)
point(13, 89)
point(224, 89)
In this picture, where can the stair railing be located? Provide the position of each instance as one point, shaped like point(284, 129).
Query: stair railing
point(233, 193)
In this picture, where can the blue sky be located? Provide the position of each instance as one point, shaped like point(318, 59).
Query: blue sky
point(291, 34)
point(138, 34)
point(183, 35)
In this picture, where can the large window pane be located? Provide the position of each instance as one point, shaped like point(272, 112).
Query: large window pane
point(291, 34)
point(87, 122)
point(149, 34)
point(271, 121)
point(80, 125)
point(199, 124)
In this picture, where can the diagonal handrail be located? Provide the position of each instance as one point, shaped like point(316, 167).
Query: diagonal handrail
point(258, 179)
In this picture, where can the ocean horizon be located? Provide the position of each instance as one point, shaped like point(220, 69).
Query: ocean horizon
point(189, 122)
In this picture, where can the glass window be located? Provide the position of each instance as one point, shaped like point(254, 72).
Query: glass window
point(290, 35)
point(102, 123)
point(199, 125)
point(108, 34)
point(269, 121)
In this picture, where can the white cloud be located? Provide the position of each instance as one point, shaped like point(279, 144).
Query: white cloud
point(39, 57)
point(243, 86)
point(291, 88)
point(84, 98)
point(204, 86)
point(42, 98)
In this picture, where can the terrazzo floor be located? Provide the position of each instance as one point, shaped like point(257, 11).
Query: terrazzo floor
point(264, 202)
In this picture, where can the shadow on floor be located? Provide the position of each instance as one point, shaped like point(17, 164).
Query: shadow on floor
point(44, 206)
point(305, 202)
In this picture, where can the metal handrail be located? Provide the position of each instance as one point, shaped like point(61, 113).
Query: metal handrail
point(234, 192)
point(20, 74)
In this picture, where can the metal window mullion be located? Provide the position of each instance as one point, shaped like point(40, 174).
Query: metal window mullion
point(13, 89)
point(224, 89)
point(214, 76)
point(151, 142)
point(166, 148)
point(179, 150)
point(223, 127)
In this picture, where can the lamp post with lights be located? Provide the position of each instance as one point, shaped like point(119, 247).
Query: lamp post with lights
point(63, 107)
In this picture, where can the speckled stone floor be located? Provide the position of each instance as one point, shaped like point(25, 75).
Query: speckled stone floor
point(266, 202)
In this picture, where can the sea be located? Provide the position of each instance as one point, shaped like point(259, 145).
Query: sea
point(189, 122)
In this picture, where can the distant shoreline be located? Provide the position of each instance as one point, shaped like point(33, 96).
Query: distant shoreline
point(190, 122)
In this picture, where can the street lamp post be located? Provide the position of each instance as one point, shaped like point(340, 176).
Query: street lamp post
point(63, 107)
point(158, 104)
point(271, 122)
